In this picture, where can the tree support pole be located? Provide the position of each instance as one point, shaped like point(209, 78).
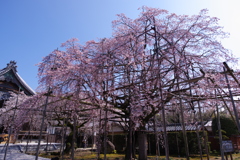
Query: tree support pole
point(204, 133)
point(219, 129)
point(28, 135)
point(129, 150)
point(184, 130)
point(10, 132)
point(99, 135)
point(199, 143)
point(183, 123)
point(165, 134)
point(105, 135)
point(156, 138)
point(43, 117)
point(63, 139)
point(73, 137)
point(223, 100)
point(231, 96)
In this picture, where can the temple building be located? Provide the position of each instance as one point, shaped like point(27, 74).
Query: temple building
point(11, 81)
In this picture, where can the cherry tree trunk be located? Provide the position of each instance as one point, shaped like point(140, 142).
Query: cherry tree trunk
point(142, 144)
point(130, 146)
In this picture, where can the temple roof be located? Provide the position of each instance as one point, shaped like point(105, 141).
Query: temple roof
point(9, 74)
point(176, 127)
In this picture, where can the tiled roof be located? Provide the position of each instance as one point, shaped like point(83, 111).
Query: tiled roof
point(12, 67)
point(178, 127)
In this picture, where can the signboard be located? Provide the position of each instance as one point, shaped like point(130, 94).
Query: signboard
point(227, 146)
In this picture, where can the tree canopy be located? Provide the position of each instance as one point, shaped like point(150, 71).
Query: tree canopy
point(150, 65)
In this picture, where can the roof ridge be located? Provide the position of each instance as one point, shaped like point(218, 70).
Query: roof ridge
point(10, 65)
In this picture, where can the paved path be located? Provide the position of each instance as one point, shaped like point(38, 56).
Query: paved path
point(20, 156)
point(15, 152)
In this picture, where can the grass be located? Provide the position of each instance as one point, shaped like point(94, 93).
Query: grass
point(92, 156)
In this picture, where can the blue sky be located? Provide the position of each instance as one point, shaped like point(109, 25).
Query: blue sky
point(31, 29)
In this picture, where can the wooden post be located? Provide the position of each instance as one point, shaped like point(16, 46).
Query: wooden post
point(226, 156)
point(231, 156)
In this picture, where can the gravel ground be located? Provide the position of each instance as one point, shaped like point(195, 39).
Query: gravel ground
point(20, 156)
